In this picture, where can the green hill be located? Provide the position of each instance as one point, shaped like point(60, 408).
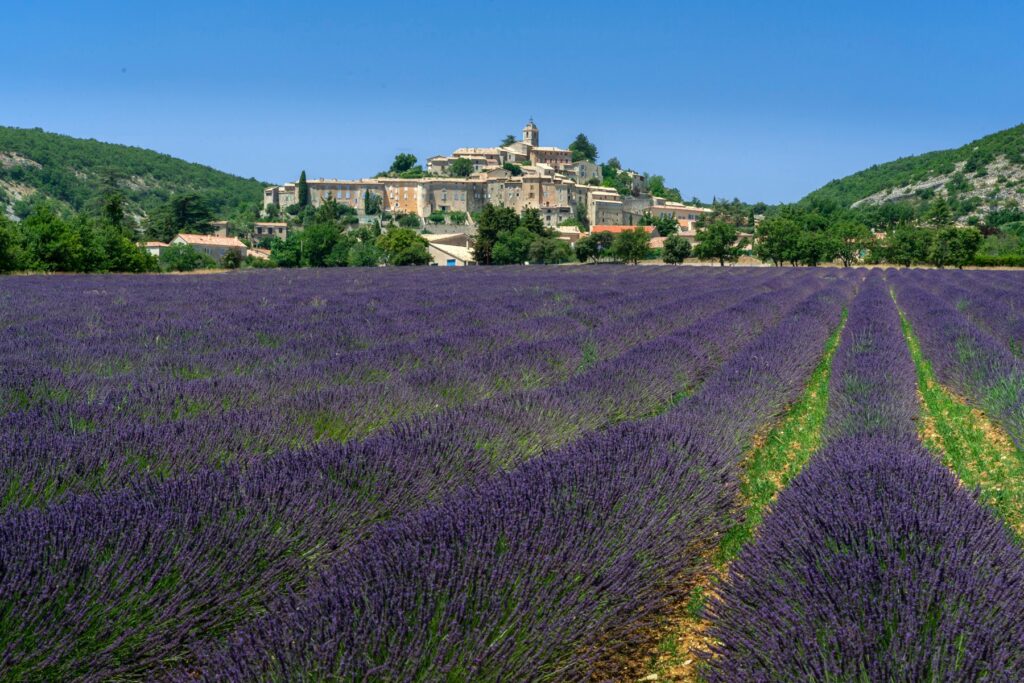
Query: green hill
point(35, 164)
point(982, 176)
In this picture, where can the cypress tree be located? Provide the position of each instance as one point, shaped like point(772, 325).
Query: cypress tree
point(303, 190)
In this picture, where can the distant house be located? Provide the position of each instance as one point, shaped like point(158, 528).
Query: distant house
point(154, 248)
point(213, 246)
point(450, 255)
point(261, 231)
point(616, 229)
point(261, 254)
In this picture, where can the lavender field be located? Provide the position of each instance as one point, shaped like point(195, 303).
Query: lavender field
point(508, 474)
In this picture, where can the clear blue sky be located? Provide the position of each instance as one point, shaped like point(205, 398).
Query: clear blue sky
point(761, 100)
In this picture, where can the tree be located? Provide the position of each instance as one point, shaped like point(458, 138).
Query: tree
point(938, 214)
point(364, 253)
point(583, 149)
point(183, 258)
point(906, 245)
point(403, 247)
point(717, 242)
point(815, 247)
point(11, 256)
point(665, 225)
point(272, 212)
point(51, 243)
point(849, 239)
point(120, 253)
point(656, 186)
point(514, 169)
point(631, 245)
point(778, 240)
point(579, 212)
point(677, 249)
point(549, 250)
point(491, 222)
point(231, 259)
point(113, 209)
point(303, 190)
point(594, 247)
point(316, 243)
point(371, 203)
point(532, 221)
point(461, 168)
point(402, 163)
point(410, 220)
point(436, 217)
point(954, 246)
point(182, 213)
point(508, 140)
point(513, 246)
point(457, 217)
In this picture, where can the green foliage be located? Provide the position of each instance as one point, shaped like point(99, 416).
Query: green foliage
point(718, 242)
point(364, 253)
point(595, 247)
point(403, 247)
point(410, 220)
point(778, 240)
point(372, 203)
point(183, 258)
point(11, 255)
point(656, 186)
point(849, 240)
point(492, 221)
point(436, 217)
point(938, 214)
point(1001, 245)
point(514, 169)
point(402, 163)
point(665, 225)
point(677, 249)
point(303, 190)
point(906, 245)
point(954, 247)
point(183, 213)
point(619, 180)
point(583, 149)
point(80, 174)
point(49, 241)
point(231, 260)
point(508, 140)
point(631, 246)
point(458, 217)
point(579, 213)
point(461, 168)
point(902, 172)
point(549, 250)
point(512, 244)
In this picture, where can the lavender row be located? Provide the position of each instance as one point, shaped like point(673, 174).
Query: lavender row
point(873, 384)
point(970, 360)
point(278, 520)
point(875, 564)
point(517, 578)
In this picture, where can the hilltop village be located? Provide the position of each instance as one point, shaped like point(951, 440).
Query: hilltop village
point(521, 174)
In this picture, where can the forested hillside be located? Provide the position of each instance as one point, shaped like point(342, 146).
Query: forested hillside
point(78, 174)
point(979, 178)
